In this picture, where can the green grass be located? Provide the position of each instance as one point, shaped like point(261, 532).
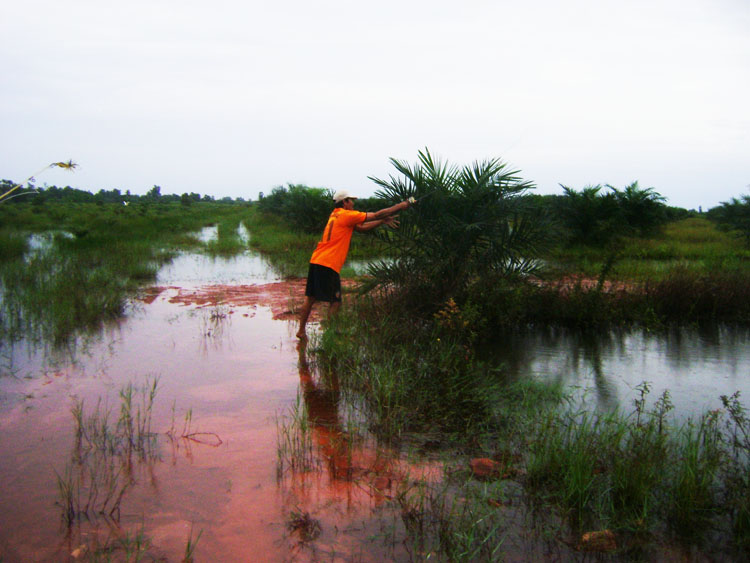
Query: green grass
point(695, 243)
point(99, 257)
point(13, 246)
point(228, 241)
point(294, 444)
point(289, 252)
point(94, 482)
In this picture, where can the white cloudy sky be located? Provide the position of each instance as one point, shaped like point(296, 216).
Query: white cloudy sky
point(233, 97)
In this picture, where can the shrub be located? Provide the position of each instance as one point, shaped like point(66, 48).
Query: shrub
point(305, 209)
point(734, 215)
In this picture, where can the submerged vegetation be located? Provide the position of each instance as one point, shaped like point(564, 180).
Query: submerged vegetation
point(112, 452)
point(644, 476)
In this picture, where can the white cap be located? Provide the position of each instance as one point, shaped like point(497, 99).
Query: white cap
point(341, 195)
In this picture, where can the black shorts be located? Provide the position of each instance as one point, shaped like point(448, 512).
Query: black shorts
point(323, 283)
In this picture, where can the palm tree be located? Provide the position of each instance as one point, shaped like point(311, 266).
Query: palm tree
point(643, 209)
point(469, 223)
point(589, 216)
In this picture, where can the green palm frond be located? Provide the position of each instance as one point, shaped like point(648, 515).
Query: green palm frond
point(475, 223)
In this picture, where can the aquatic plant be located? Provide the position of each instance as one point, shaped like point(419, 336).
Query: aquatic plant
point(294, 443)
point(95, 481)
point(124, 545)
point(736, 471)
point(301, 523)
point(190, 545)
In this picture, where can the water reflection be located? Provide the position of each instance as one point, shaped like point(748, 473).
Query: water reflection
point(190, 269)
point(345, 486)
point(322, 402)
point(602, 368)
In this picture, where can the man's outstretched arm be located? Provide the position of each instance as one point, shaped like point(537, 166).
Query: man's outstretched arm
point(388, 211)
point(370, 225)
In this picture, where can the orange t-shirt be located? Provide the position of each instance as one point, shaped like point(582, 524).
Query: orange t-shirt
point(334, 246)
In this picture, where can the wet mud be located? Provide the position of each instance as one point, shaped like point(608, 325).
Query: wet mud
point(283, 298)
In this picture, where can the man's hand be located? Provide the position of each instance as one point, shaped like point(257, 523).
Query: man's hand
point(391, 222)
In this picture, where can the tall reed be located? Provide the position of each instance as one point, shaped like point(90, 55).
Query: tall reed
point(94, 482)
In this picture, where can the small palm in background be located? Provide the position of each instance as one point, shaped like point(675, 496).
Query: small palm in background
point(470, 224)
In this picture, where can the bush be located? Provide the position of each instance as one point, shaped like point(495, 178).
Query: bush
point(734, 215)
point(305, 209)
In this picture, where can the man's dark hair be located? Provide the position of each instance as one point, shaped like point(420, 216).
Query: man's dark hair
point(340, 203)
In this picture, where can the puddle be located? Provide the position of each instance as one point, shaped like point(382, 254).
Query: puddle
point(603, 369)
point(208, 234)
point(218, 335)
point(39, 243)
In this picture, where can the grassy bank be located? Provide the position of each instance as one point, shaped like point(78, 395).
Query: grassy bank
point(653, 484)
point(695, 244)
point(645, 484)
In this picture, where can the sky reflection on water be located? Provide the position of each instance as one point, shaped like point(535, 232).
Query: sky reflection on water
point(188, 269)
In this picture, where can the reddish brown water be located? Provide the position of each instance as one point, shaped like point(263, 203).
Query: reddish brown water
point(228, 354)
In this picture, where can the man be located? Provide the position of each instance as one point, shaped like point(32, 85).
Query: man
point(323, 280)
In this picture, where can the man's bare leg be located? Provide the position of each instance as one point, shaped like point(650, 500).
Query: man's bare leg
point(304, 313)
point(334, 308)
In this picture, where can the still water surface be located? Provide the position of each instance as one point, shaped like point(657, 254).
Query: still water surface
point(602, 370)
point(238, 372)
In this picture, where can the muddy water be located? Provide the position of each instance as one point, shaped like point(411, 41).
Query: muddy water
point(217, 335)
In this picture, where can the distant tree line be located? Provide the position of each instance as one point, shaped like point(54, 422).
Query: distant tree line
point(593, 216)
point(733, 215)
point(596, 215)
point(43, 194)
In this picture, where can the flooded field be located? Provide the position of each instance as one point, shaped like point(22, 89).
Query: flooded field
point(230, 380)
point(248, 454)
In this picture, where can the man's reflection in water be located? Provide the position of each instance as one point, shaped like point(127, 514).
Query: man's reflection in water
point(371, 468)
point(322, 404)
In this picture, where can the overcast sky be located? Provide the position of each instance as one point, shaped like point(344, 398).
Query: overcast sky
point(234, 97)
